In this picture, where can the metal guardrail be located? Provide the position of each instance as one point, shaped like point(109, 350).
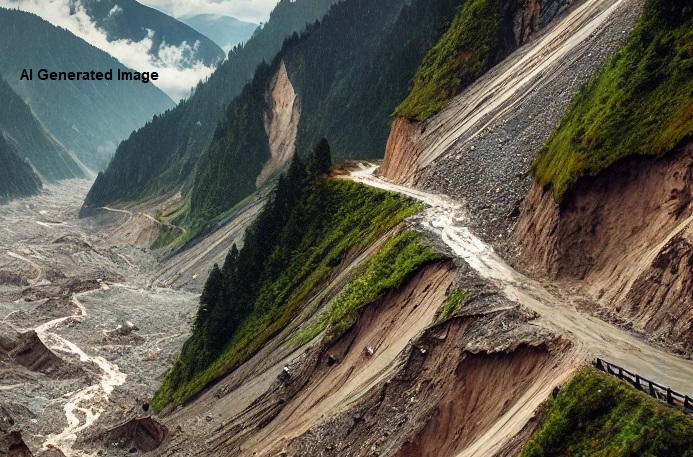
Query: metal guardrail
point(651, 388)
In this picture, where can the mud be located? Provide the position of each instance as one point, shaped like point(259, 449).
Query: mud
point(622, 238)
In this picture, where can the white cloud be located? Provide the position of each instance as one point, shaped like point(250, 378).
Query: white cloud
point(248, 10)
point(177, 73)
point(115, 10)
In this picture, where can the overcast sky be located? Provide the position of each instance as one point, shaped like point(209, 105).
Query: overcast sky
point(247, 10)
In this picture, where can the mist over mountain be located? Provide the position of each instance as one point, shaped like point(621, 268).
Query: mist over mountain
point(89, 118)
point(32, 141)
point(225, 31)
point(130, 20)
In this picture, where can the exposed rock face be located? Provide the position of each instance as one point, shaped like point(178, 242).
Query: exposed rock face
point(402, 151)
point(12, 445)
point(627, 234)
point(143, 435)
point(30, 352)
point(281, 124)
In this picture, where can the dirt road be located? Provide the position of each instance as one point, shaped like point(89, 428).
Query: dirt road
point(596, 337)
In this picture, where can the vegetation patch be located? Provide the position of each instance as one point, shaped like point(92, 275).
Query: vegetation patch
point(298, 239)
point(401, 256)
point(453, 304)
point(474, 42)
point(641, 102)
point(597, 415)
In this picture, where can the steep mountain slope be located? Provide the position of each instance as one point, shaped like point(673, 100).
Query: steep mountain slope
point(340, 80)
point(17, 178)
point(161, 156)
point(101, 113)
point(130, 20)
point(622, 224)
point(31, 140)
point(225, 31)
point(479, 148)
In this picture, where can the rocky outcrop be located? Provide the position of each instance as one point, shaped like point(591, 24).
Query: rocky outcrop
point(625, 235)
point(281, 123)
point(142, 435)
point(28, 350)
point(12, 445)
point(402, 151)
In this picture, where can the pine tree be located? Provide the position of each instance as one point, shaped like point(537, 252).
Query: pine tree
point(212, 295)
point(321, 162)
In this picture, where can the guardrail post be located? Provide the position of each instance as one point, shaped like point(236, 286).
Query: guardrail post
point(653, 393)
point(687, 403)
point(599, 364)
point(637, 382)
point(670, 397)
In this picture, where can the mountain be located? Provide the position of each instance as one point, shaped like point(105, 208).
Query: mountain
point(130, 20)
point(225, 31)
point(162, 156)
point(101, 114)
point(32, 141)
point(337, 330)
point(17, 178)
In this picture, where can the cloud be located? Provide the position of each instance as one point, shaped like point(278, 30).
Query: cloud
point(115, 10)
point(178, 73)
point(248, 10)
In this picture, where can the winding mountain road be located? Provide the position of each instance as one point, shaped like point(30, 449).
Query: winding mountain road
point(592, 336)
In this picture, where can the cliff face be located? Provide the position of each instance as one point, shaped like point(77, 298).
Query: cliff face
point(625, 237)
point(402, 151)
point(281, 124)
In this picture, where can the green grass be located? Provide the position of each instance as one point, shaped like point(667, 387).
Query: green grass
point(337, 218)
point(396, 260)
point(597, 415)
point(641, 102)
point(471, 46)
point(453, 304)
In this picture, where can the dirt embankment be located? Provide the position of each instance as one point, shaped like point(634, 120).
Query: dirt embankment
point(281, 124)
point(479, 149)
point(626, 237)
point(458, 381)
point(393, 385)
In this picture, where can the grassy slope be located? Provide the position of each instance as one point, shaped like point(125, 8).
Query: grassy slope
point(640, 103)
point(471, 46)
point(388, 269)
point(597, 415)
point(353, 217)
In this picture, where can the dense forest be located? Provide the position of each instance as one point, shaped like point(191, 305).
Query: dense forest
point(17, 179)
point(348, 79)
point(161, 156)
point(307, 229)
point(31, 140)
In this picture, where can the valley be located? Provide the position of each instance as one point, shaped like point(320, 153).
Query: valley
point(88, 301)
point(426, 228)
